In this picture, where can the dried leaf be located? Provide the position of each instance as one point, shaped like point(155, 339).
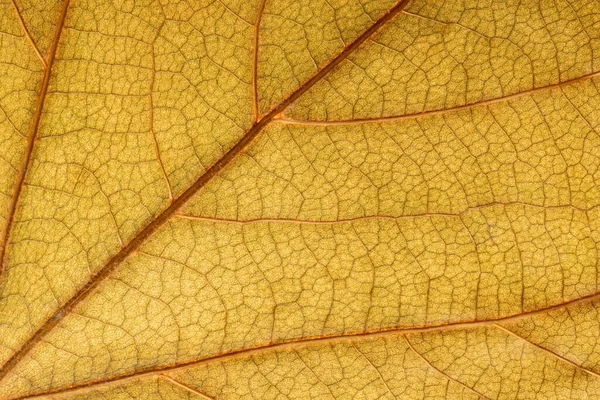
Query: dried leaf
point(299, 199)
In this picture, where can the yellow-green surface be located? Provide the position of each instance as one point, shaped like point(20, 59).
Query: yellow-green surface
point(314, 199)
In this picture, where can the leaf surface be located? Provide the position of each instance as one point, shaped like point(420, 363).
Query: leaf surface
point(299, 199)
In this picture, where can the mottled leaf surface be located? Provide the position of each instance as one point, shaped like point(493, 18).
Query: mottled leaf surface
point(300, 199)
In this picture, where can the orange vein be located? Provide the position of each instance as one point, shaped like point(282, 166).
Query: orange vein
point(297, 343)
point(381, 217)
point(261, 9)
point(440, 371)
point(31, 138)
point(136, 242)
point(549, 352)
point(481, 103)
point(185, 387)
point(152, 132)
point(28, 35)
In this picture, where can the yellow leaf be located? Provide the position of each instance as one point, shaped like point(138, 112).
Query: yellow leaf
point(299, 199)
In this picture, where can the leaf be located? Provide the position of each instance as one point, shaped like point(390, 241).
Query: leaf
point(299, 199)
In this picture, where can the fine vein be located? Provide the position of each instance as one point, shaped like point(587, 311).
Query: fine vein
point(549, 352)
point(152, 131)
point(136, 242)
point(364, 356)
point(440, 371)
point(261, 9)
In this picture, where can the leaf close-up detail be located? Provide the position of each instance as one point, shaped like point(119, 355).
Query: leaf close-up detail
point(300, 199)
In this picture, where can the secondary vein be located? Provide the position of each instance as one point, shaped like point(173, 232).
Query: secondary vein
point(29, 37)
point(304, 342)
point(31, 138)
point(442, 111)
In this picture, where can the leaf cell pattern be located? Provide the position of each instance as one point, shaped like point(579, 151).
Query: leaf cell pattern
point(314, 199)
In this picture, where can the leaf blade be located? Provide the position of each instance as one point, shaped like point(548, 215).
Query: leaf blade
point(527, 234)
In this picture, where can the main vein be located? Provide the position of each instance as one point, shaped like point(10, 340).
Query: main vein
point(136, 242)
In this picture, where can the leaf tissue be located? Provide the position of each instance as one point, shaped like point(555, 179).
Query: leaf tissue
point(299, 199)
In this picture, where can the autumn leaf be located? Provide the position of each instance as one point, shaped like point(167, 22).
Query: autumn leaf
point(303, 199)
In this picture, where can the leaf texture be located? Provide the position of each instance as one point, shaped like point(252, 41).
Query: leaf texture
point(314, 199)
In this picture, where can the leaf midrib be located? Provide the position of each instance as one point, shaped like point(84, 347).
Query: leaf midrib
point(136, 242)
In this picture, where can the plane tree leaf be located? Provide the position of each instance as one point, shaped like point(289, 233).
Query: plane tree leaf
point(299, 199)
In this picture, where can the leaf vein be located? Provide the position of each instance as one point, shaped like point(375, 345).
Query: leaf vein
point(31, 139)
point(441, 111)
point(155, 224)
